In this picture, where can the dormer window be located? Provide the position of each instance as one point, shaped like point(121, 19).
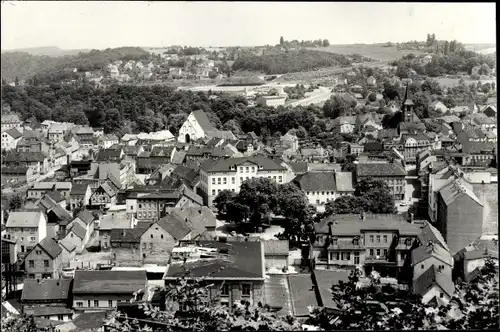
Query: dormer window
point(355, 241)
point(408, 242)
point(261, 167)
point(232, 168)
point(335, 241)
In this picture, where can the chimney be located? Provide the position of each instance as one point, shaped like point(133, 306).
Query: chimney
point(430, 246)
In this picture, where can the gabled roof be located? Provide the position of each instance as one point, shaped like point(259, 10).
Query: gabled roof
point(203, 120)
point(109, 189)
point(24, 219)
point(78, 189)
point(379, 169)
point(198, 218)
point(302, 294)
point(352, 224)
point(109, 155)
point(430, 233)
point(456, 189)
point(109, 282)
point(46, 289)
point(243, 260)
point(324, 281)
point(55, 196)
point(130, 235)
point(317, 181)
point(14, 133)
point(19, 171)
point(50, 246)
point(224, 165)
point(86, 216)
point(61, 213)
point(344, 181)
point(298, 167)
point(424, 252)
point(24, 157)
point(177, 228)
point(276, 247)
point(78, 230)
point(430, 278)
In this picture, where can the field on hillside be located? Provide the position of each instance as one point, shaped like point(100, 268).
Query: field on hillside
point(376, 52)
point(450, 82)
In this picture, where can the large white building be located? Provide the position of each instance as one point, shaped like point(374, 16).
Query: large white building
point(229, 174)
point(198, 126)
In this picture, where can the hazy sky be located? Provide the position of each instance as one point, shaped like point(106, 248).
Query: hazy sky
point(95, 24)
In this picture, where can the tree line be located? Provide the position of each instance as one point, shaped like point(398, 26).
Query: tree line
point(291, 61)
point(45, 69)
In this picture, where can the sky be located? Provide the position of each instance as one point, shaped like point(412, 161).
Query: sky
point(101, 24)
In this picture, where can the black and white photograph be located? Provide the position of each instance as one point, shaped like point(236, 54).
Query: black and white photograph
point(249, 166)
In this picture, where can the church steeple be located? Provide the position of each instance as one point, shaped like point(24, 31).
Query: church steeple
point(407, 108)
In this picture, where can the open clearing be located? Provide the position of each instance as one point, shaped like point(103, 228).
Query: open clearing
point(374, 51)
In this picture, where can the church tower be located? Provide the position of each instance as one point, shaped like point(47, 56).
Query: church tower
point(407, 108)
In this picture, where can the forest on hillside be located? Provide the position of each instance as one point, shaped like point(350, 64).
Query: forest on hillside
point(290, 61)
point(25, 66)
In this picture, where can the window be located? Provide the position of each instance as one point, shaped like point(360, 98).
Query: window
point(79, 304)
point(371, 238)
point(144, 245)
point(337, 256)
point(356, 257)
point(441, 295)
point(253, 169)
point(246, 169)
point(385, 238)
point(422, 266)
point(348, 256)
point(213, 191)
point(60, 317)
point(31, 263)
point(45, 263)
point(378, 238)
point(322, 193)
point(225, 290)
point(233, 180)
point(88, 303)
point(140, 206)
point(371, 252)
point(385, 252)
point(213, 180)
point(218, 180)
point(161, 236)
point(280, 178)
point(96, 303)
point(317, 201)
point(151, 235)
point(71, 235)
point(274, 177)
point(378, 252)
point(38, 252)
point(110, 303)
point(355, 242)
point(245, 290)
